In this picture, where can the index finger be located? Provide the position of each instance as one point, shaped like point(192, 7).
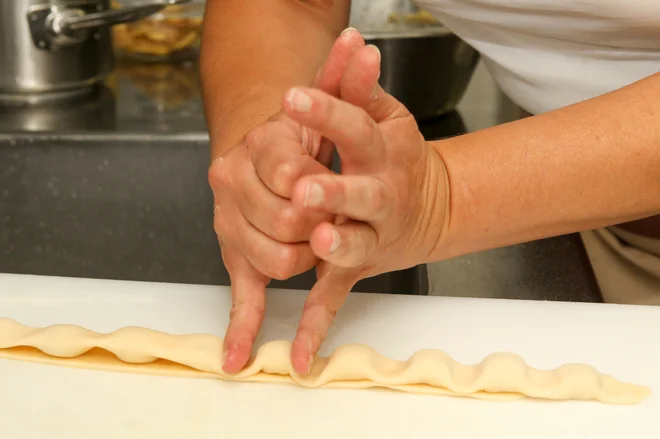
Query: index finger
point(359, 86)
point(329, 77)
point(353, 131)
point(280, 166)
point(248, 291)
point(324, 300)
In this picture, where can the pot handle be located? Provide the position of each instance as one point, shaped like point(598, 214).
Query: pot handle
point(74, 23)
point(56, 27)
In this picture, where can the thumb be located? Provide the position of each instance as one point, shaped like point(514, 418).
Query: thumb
point(359, 86)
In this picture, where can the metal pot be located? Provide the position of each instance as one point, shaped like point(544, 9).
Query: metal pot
point(424, 65)
point(55, 48)
point(95, 111)
point(427, 70)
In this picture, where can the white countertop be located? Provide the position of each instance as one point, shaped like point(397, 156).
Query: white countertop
point(39, 401)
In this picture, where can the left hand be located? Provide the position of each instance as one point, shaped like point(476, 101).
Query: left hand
point(391, 198)
point(263, 235)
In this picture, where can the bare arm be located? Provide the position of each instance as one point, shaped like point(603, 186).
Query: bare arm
point(589, 165)
point(252, 51)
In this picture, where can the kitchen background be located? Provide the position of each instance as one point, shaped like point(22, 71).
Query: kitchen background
point(109, 181)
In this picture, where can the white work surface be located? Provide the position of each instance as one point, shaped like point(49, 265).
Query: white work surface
point(52, 402)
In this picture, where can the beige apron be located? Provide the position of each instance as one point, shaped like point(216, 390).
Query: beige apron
point(626, 265)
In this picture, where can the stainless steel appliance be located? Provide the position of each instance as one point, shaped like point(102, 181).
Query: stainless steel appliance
point(55, 48)
point(424, 65)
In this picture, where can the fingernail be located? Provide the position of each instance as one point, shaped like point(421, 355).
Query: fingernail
point(377, 50)
point(310, 362)
point(347, 31)
point(374, 92)
point(335, 240)
point(299, 100)
point(314, 194)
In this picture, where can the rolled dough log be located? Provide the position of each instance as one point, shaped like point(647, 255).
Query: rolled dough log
point(500, 376)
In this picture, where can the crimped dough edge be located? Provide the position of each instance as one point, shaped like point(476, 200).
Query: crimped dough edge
point(499, 376)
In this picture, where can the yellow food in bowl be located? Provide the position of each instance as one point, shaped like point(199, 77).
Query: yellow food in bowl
point(161, 35)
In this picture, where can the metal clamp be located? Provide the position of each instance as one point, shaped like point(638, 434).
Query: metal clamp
point(54, 27)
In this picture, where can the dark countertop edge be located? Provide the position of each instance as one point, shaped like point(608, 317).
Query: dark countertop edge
point(13, 138)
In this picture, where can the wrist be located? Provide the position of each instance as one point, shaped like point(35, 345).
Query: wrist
point(228, 127)
point(443, 205)
point(435, 204)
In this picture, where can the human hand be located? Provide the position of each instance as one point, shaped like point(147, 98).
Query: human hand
point(262, 235)
point(391, 199)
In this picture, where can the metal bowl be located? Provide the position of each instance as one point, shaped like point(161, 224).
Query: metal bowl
point(424, 64)
point(427, 69)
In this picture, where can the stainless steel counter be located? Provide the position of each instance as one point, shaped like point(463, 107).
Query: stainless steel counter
point(114, 186)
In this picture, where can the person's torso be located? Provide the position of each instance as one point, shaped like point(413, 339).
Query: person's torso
point(547, 54)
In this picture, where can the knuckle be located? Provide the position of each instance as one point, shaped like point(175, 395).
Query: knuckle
point(218, 225)
point(268, 268)
point(336, 193)
point(284, 176)
point(319, 316)
point(329, 109)
point(265, 152)
point(286, 223)
point(359, 252)
point(217, 174)
point(255, 136)
point(243, 308)
point(235, 312)
point(317, 336)
point(340, 188)
point(376, 196)
point(221, 226)
point(285, 266)
point(230, 260)
point(320, 310)
point(221, 174)
point(367, 125)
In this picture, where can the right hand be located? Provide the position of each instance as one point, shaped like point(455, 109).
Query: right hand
point(262, 235)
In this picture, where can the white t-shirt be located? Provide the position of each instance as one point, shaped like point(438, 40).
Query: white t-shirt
point(546, 54)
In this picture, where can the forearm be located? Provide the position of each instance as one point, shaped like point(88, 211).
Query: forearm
point(252, 51)
point(589, 165)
